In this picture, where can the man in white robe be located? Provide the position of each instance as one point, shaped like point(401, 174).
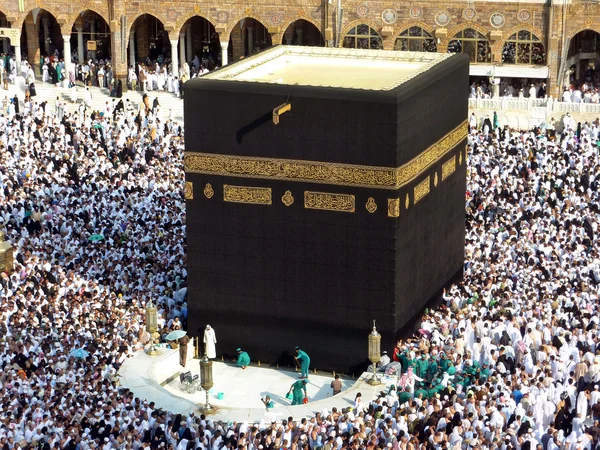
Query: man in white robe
point(210, 339)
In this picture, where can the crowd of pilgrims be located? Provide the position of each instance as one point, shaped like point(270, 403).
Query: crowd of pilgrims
point(94, 205)
point(155, 74)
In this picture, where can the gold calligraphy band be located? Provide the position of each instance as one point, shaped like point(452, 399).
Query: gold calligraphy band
point(324, 172)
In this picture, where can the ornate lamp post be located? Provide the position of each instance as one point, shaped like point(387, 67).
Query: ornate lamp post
point(151, 326)
point(6, 254)
point(206, 380)
point(374, 354)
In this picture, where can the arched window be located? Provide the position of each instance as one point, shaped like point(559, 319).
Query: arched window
point(523, 47)
point(415, 39)
point(363, 36)
point(473, 43)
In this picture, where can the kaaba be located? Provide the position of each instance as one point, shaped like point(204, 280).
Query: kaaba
point(325, 189)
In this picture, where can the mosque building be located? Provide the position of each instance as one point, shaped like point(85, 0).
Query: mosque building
point(536, 40)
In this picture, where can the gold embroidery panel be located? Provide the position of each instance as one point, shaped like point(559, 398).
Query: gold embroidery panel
point(371, 205)
point(448, 168)
point(329, 202)
point(323, 172)
point(208, 191)
point(246, 194)
point(393, 207)
point(422, 189)
point(287, 198)
point(188, 190)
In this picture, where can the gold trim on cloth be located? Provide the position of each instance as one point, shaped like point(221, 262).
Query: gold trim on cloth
point(324, 172)
point(422, 189)
point(329, 202)
point(246, 194)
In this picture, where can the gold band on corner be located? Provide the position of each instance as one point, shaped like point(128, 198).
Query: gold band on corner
point(324, 172)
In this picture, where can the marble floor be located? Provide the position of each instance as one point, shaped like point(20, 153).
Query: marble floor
point(156, 378)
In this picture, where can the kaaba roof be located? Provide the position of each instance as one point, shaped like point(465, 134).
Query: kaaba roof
point(330, 67)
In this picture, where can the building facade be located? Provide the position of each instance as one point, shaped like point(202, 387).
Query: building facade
point(535, 40)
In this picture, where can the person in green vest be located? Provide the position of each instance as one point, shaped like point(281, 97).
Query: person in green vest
point(444, 363)
point(432, 370)
point(404, 396)
point(405, 361)
point(304, 360)
point(297, 389)
point(269, 404)
point(421, 366)
point(484, 373)
point(421, 392)
point(243, 359)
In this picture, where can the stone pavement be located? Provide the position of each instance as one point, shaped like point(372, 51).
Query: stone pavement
point(170, 106)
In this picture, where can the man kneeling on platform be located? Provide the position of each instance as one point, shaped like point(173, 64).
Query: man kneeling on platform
point(243, 360)
point(296, 391)
point(269, 404)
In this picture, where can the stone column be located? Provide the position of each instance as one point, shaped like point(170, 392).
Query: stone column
point(118, 55)
point(250, 41)
point(46, 25)
point(17, 58)
point(224, 53)
point(188, 44)
point(299, 34)
point(182, 49)
point(132, 49)
point(67, 55)
point(174, 58)
point(496, 87)
point(80, 49)
point(93, 37)
point(33, 44)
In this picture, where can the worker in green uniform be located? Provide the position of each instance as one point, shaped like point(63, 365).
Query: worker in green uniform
point(296, 390)
point(404, 396)
point(243, 360)
point(304, 361)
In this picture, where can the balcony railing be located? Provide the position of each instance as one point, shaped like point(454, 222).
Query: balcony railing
point(527, 104)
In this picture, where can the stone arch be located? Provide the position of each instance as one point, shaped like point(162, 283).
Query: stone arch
point(158, 16)
point(54, 12)
point(101, 34)
point(518, 28)
point(147, 43)
point(592, 27)
point(413, 39)
point(233, 22)
point(4, 42)
point(181, 22)
point(71, 21)
point(287, 24)
point(238, 35)
point(356, 23)
point(315, 26)
point(463, 26)
point(37, 41)
point(199, 37)
point(413, 23)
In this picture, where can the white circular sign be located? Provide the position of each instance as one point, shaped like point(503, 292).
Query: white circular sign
point(497, 20)
point(389, 16)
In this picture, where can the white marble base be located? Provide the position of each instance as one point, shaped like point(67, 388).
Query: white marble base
point(156, 378)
